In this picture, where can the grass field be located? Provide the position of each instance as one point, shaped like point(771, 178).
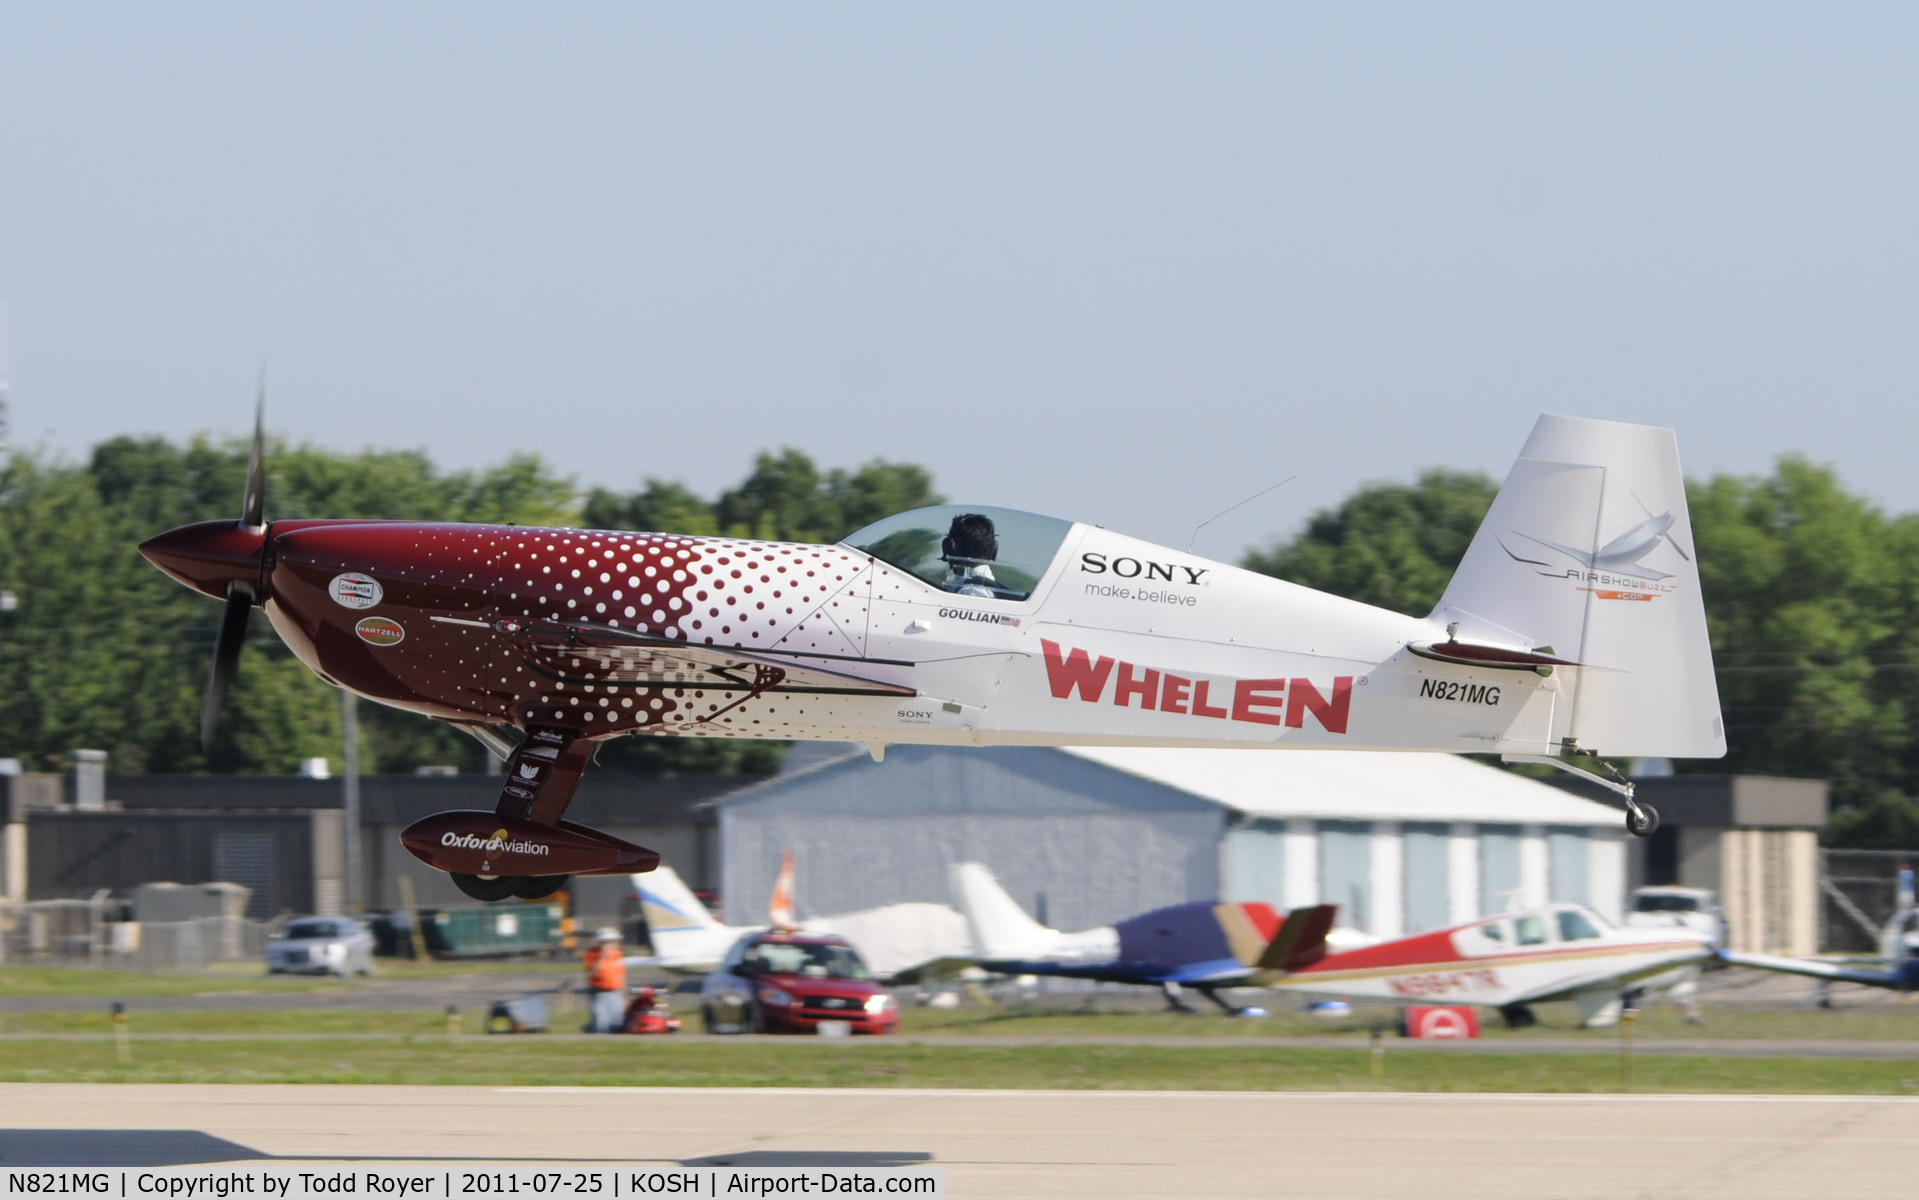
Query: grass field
point(233, 977)
point(430, 1059)
point(1875, 1022)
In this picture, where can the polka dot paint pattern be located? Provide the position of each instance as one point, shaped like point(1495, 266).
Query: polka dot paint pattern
point(478, 604)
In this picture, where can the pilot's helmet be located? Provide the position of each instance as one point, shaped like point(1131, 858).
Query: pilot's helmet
point(970, 540)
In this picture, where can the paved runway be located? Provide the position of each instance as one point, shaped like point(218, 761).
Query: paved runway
point(1001, 1144)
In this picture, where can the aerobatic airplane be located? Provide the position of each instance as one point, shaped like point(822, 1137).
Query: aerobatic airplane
point(972, 625)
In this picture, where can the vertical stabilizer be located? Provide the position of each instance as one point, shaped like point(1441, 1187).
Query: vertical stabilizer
point(999, 926)
point(670, 906)
point(1587, 555)
point(779, 909)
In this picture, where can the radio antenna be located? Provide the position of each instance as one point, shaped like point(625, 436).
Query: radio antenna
point(1242, 504)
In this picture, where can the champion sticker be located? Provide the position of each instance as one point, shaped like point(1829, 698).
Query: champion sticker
point(380, 631)
point(354, 590)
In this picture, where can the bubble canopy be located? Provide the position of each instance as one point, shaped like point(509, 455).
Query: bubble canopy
point(968, 549)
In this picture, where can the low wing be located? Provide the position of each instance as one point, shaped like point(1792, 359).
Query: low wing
point(1811, 967)
point(586, 653)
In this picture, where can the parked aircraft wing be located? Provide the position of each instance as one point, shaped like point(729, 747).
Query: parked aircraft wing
point(1301, 940)
point(905, 942)
point(1811, 967)
point(619, 658)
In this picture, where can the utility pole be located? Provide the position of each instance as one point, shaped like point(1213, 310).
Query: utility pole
point(350, 796)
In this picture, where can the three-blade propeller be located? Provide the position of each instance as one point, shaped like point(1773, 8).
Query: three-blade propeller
point(242, 595)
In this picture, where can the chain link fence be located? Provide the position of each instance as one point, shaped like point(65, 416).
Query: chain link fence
point(91, 933)
point(1858, 891)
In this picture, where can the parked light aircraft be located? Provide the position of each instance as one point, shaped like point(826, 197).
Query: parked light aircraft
point(1898, 952)
point(1563, 951)
point(972, 625)
point(1514, 960)
point(900, 943)
point(1201, 945)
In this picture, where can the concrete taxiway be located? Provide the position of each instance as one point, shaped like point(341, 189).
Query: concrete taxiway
point(1004, 1144)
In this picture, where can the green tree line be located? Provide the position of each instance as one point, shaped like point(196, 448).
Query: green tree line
point(1812, 601)
point(102, 651)
point(1812, 598)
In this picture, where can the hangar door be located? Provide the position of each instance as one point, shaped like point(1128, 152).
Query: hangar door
point(1256, 863)
point(1346, 871)
point(1429, 880)
point(1498, 867)
point(1567, 870)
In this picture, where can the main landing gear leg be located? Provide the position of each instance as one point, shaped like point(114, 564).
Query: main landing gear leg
point(1175, 998)
point(1212, 993)
point(540, 780)
point(1641, 819)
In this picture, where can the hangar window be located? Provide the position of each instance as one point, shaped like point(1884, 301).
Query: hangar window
point(969, 550)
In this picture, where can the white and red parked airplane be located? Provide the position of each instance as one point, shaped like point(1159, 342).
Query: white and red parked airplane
point(1573, 627)
point(1559, 952)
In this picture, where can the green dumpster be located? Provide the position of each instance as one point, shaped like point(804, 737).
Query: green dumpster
point(496, 931)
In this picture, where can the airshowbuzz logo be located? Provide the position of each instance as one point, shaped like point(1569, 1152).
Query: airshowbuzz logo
point(1614, 571)
point(499, 843)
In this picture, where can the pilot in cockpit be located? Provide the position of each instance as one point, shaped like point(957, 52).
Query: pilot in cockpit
point(970, 547)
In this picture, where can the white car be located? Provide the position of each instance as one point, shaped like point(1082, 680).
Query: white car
point(323, 946)
point(1696, 909)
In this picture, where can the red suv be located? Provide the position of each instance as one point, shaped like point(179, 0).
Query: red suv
point(789, 983)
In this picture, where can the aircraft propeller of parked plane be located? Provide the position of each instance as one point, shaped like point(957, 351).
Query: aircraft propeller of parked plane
point(972, 625)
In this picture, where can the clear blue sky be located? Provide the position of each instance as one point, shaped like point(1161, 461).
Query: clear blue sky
point(1120, 263)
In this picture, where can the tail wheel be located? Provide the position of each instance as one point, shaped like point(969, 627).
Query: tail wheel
point(537, 887)
point(1641, 820)
point(481, 887)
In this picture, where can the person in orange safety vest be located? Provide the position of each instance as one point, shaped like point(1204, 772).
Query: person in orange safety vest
point(605, 983)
